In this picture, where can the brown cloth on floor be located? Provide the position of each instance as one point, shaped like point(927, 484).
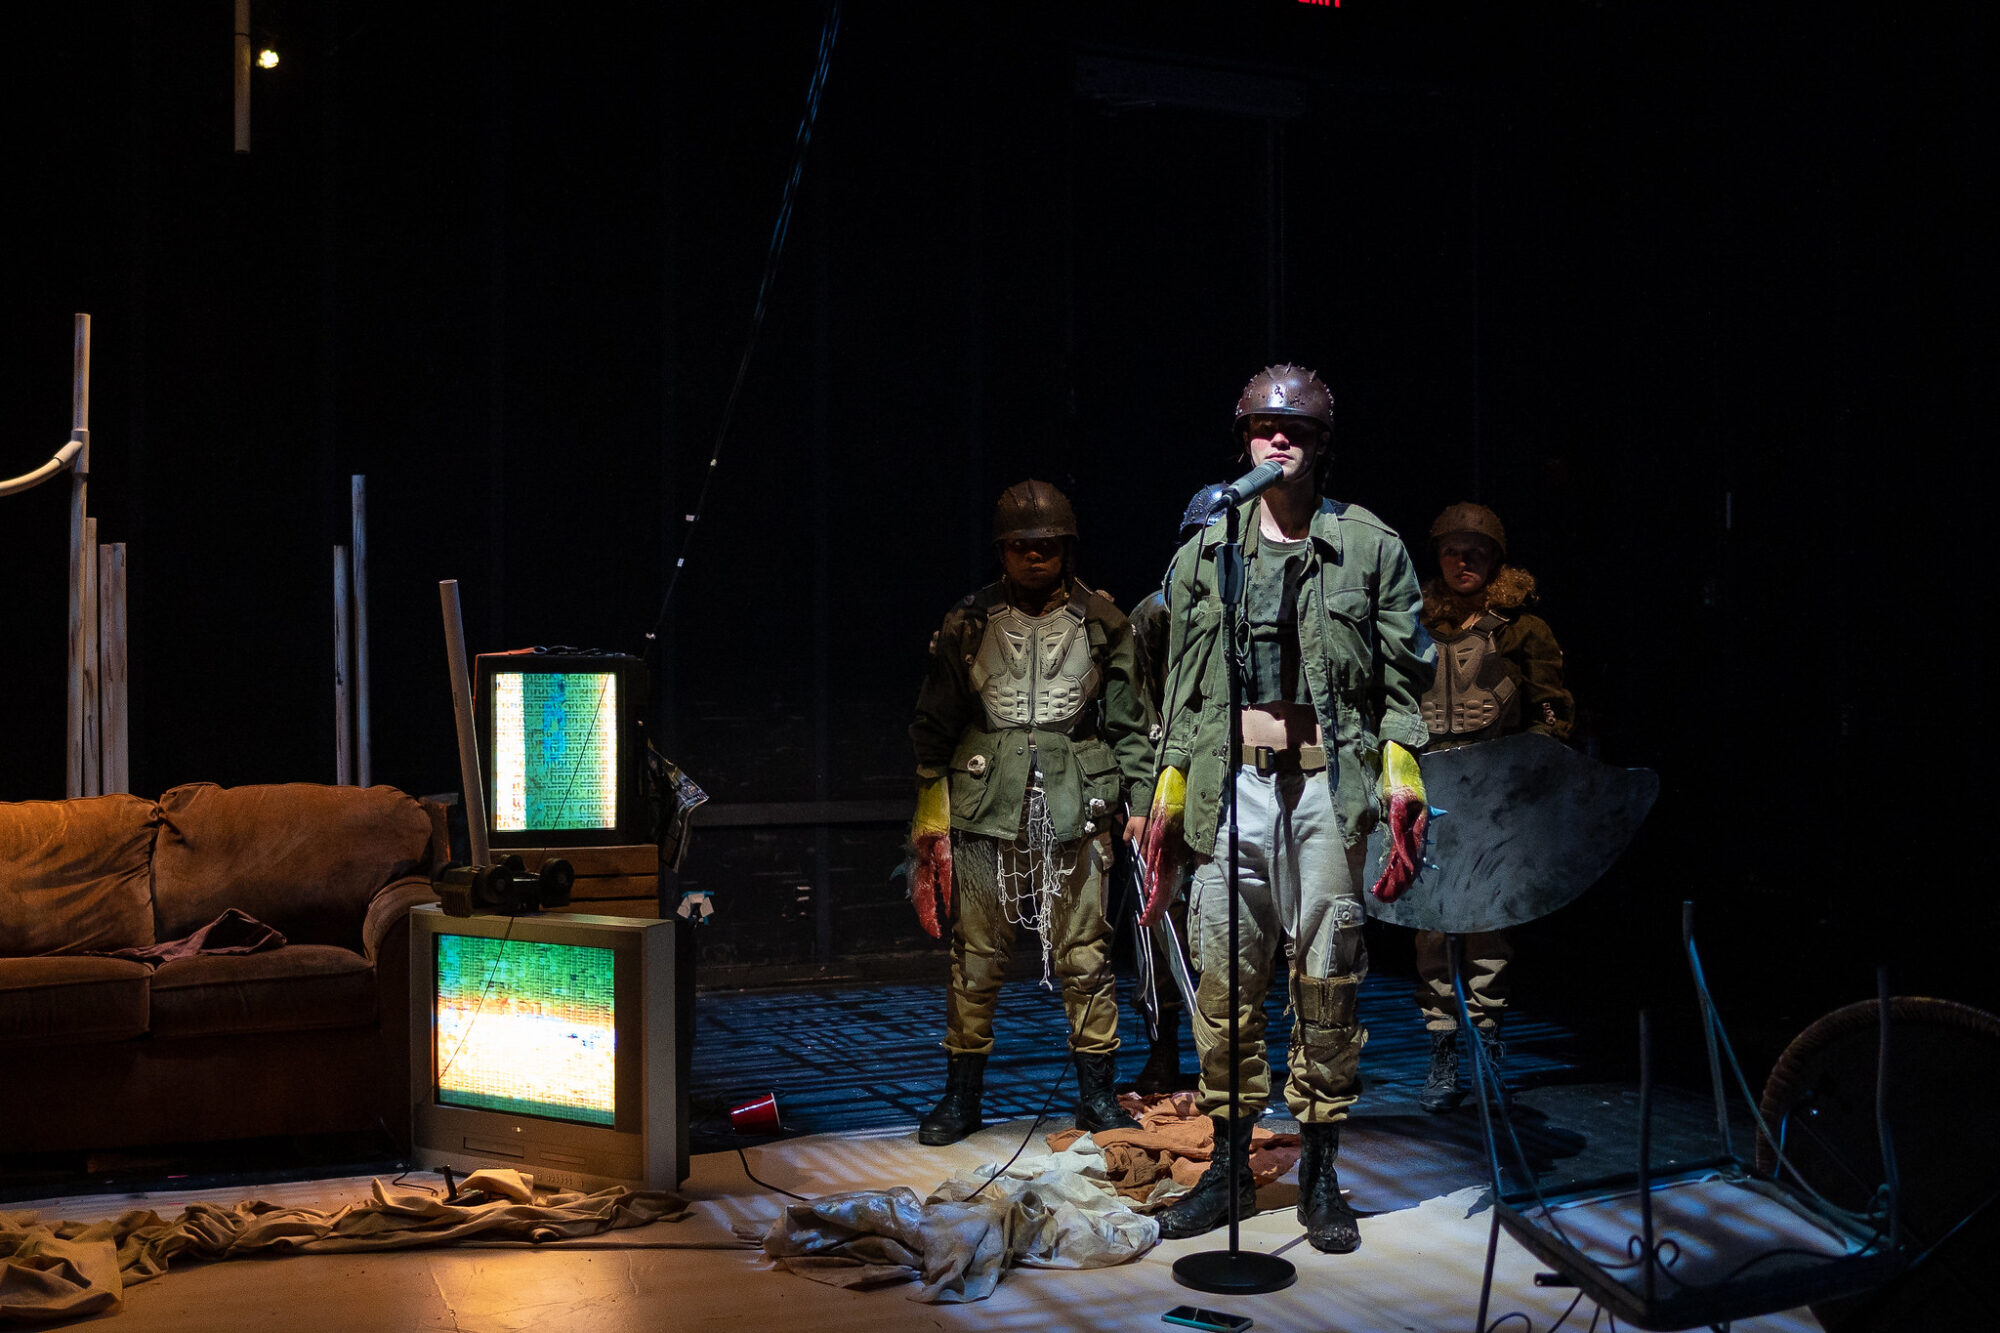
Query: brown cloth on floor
point(235, 931)
point(65, 1270)
point(1175, 1140)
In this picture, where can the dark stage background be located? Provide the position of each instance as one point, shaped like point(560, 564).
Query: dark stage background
point(1698, 296)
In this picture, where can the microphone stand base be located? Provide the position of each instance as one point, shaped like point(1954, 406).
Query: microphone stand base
point(1234, 1272)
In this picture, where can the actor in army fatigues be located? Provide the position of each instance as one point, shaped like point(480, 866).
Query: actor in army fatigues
point(1500, 671)
point(1336, 663)
point(1033, 738)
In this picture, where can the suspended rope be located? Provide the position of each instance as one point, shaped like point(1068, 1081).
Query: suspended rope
point(776, 251)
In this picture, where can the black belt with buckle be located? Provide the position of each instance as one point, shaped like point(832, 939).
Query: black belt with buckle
point(1301, 759)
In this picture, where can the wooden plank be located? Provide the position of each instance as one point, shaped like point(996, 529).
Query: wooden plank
point(646, 909)
point(615, 886)
point(639, 859)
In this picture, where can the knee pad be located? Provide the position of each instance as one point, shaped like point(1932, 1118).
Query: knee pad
point(1326, 1002)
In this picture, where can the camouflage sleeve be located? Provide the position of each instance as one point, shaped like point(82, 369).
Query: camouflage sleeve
point(945, 702)
point(1547, 705)
point(1149, 639)
point(1128, 711)
point(1405, 657)
point(1180, 673)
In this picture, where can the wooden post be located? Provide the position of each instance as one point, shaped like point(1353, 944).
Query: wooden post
point(242, 76)
point(79, 497)
point(343, 667)
point(93, 711)
point(461, 707)
point(363, 761)
point(115, 729)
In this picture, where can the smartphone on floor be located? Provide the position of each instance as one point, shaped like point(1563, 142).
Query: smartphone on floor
point(1209, 1321)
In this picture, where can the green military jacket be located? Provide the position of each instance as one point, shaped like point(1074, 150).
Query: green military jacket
point(1365, 658)
point(1109, 759)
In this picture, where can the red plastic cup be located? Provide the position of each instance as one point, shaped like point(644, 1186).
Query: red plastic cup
point(758, 1117)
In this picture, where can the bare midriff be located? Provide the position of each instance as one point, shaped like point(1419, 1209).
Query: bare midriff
point(1281, 726)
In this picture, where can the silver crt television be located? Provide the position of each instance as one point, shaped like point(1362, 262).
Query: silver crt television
point(547, 1043)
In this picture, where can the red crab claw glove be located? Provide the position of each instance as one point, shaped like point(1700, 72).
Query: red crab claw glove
point(930, 856)
point(1160, 849)
point(1409, 814)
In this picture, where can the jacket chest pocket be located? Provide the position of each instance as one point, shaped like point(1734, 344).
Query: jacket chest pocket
point(1349, 646)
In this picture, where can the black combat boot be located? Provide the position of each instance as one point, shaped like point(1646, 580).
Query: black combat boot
point(957, 1112)
point(1328, 1221)
point(1162, 1070)
point(1096, 1104)
point(1206, 1206)
point(1442, 1091)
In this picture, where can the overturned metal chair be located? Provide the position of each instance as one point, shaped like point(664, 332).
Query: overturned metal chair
point(1714, 1240)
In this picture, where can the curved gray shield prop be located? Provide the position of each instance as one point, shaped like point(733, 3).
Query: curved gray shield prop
point(1528, 825)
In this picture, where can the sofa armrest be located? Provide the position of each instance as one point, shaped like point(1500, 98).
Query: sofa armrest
point(387, 910)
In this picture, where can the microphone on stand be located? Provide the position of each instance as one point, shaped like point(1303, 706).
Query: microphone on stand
point(1250, 485)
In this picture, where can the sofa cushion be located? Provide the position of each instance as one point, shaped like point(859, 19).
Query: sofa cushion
point(302, 857)
point(291, 989)
point(74, 875)
point(44, 1001)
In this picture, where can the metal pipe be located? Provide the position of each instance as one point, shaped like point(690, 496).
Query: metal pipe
point(343, 667)
point(461, 707)
point(115, 770)
point(27, 481)
point(364, 767)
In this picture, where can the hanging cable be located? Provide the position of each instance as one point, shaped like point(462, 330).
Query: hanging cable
point(771, 257)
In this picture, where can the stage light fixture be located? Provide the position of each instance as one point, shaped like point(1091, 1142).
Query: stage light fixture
point(267, 59)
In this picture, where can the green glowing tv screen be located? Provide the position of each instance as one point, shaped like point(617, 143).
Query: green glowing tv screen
point(526, 1027)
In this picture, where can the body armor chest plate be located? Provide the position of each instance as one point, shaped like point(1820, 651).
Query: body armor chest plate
point(1035, 670)
point(1473, 697)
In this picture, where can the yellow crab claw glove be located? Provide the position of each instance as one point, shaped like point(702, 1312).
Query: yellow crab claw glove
point(1408, 811)
point(930, 854)
point(1162, 847)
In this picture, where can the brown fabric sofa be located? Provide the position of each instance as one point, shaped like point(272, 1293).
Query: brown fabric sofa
point(99, 1052)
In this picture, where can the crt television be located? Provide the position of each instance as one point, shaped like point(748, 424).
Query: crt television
point(547, 1043)
point(562, 748)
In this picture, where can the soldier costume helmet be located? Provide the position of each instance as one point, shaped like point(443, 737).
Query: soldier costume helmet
point(1033, 509)
point(1475, 519)
point(1285, 391)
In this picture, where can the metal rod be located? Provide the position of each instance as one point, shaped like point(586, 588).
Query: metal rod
point(93, 718)
point(1891, 1177)
point(79, 509)
point(1711, 1027)
point(242, 70)
point(364, 763)
point(115, 770)
point(1232, 595)
point(1646, 1150)
point(343, 668)
point(461, 705)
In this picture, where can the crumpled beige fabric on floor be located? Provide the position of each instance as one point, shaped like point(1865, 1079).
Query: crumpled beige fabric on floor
point(1054, 1211)
point(1157, 1162)
point(64, 1270)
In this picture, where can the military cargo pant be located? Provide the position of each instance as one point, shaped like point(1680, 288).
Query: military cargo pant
point(1482, 963)
point(982, 940)
point(1300, 903)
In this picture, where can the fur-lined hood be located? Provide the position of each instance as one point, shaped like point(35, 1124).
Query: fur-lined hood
point(1445, 612)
